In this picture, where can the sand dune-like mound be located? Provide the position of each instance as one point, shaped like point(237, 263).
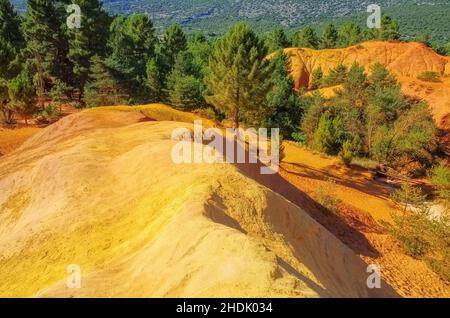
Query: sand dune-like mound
point(99, 190)
point(406, 60)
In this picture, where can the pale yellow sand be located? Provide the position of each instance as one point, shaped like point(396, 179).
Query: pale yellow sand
point(99, 189)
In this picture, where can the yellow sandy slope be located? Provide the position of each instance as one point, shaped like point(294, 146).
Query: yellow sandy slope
point(98, 189)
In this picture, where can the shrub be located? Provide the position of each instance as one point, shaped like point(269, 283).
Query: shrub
point(316, 80)
point(323, 136)
point(440, 177)
point(429, 76)
point(347, 153)
point(337, 75)
point(408, 196)
point(421, 234)
point(49, 111)
point(299, 137)
point(326, 195)
point(58, 93)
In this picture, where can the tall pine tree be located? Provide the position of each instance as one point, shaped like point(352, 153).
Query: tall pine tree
point(104, 88)
point(174, 43)
point(239, 73)
point(329, 37)
point(11, 41)
point(88, 40)
point(132, 45)
point(284, 105)
point(306, 38)
point(47, 45)
point(276, 40)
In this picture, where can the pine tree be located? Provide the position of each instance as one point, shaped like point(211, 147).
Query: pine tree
point(10, 24)
point(103, 88)
point(22, 94)
point(306, 38)
point(46, 44)
point(355, 87)
point(239, 73)
point(11, 41)
point(447, 48)
point(323, 135)
point(277, 40)
point(200, 48)
point(349, 34)
point(390, 29)
point(337, 76)
point(154, 81)
point(316, 80)
point(88, 40)
point(174, 42)
point(185, 89)
point(132, 45)
point(186, 93)
point(329, 37)
point(284, 105)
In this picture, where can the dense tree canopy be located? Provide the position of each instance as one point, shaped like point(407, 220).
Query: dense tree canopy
point(238, 79)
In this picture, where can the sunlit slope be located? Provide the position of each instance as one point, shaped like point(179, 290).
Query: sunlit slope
point(405, 60)
point(103, 193)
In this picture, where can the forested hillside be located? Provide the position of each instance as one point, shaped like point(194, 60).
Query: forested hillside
point(216, 16)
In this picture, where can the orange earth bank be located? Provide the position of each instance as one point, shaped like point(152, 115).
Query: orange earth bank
point(10, 139)
point(405, 60)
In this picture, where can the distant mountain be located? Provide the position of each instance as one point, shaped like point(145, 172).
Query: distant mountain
point(215, 16)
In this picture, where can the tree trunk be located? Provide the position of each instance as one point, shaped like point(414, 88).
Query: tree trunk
point(236, 109)
point(41, 84)
point(236, 118)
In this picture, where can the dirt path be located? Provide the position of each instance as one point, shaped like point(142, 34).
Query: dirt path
point(365, 207)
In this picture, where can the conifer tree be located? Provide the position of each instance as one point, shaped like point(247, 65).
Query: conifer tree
point(305, 38)
point(174, 42)
point(283, 102)
point(132, 45)
point(103, 88)
point(317, 77)
point(390, 29)
point(22, 94)
point(11, 41)
point(349, 34)
point(277, 40)
point(239, 73)
point(154, 81)
point(88, 40)
point(10, 24)
point(46, 44)
point(184, 86)
point(329, 37)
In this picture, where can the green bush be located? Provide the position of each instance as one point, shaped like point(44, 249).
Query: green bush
point(422, 235)
point(429, 76)
point(347, 153)
point(440, 177)
point(50, 111)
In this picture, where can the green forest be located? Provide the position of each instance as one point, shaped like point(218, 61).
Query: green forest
point(123, 61)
